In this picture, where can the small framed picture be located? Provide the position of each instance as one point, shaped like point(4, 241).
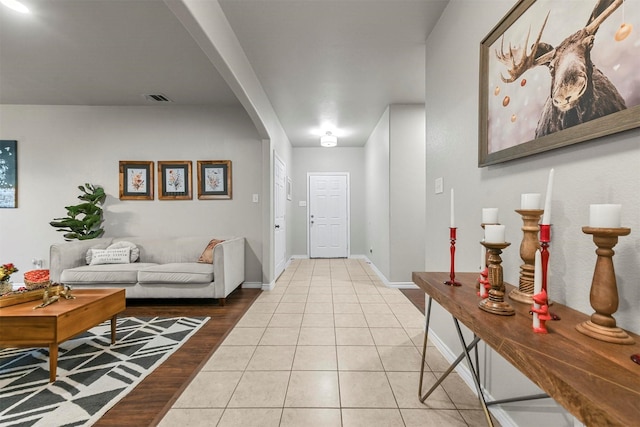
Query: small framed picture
point(214, 179)
point(8, 174)
point(288, 188)
point(174, 180)
point(136, 180)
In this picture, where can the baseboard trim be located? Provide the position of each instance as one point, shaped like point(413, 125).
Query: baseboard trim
point(252, 285)
point(403, 285)
point(269, 286)
point(387, 283)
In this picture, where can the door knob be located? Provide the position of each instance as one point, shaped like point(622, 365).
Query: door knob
point(277, 225)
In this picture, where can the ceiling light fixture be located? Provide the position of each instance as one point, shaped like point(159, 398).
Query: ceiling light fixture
point(15, 5)
point(328, 140)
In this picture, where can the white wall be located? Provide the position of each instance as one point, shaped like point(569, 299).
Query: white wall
point(599, 171)
point(377, 199)
point(338, 159)
point(395, 188)
point(407, 189)
point(61, 147)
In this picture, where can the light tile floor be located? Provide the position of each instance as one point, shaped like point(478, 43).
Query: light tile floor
point(329, 346)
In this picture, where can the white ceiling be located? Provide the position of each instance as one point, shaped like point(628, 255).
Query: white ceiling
point(322, 63)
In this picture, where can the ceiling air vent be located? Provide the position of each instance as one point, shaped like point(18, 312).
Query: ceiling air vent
point(156, 97)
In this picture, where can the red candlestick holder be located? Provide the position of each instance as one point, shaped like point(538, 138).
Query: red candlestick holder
point(452, 251)
point(545, 238)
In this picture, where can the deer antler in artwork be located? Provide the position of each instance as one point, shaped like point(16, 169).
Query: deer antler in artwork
point(517, 59)
point(579, 91)
point(600, 13)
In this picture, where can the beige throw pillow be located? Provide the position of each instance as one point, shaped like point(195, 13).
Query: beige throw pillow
point(207, 254)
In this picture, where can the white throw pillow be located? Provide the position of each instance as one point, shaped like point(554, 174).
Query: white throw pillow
point(135, 251)
point(89, 254)
point(110, 256)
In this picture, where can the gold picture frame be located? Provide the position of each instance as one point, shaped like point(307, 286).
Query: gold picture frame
point(136, 180)
point(174, 180)
point(214, 179)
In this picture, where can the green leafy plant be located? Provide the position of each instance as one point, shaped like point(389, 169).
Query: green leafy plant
point(84, 220)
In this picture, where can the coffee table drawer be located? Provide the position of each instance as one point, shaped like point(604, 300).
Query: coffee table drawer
point(26, 331)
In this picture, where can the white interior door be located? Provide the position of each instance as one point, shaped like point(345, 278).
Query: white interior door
point(328, 216)
point(279, 205)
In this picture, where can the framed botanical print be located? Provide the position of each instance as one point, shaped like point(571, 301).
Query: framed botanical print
point(8, 174)
point(136, 180)
point(214, 179)
point(174, 180)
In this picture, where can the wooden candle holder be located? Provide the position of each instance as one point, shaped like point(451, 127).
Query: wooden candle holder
point(528, 247)
point(604, 289)
point(496, 304)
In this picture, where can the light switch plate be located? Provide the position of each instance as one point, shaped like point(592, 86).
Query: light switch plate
point(439, 185)
point(302, 203)
point(256, 198)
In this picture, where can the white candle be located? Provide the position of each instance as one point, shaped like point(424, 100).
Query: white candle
point(604, 216)
point(489, 215)
point(453, 221)
point(530, 201)
point(546, 216)
point(494, 233)
point(537, 286)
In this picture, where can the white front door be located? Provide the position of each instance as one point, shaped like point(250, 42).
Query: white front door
point(279, 207)
point(328, 215)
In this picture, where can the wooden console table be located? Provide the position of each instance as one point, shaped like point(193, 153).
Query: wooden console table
point(596, 381)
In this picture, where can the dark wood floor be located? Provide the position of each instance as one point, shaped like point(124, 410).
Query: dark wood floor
point(416, 296)
point(147, 404)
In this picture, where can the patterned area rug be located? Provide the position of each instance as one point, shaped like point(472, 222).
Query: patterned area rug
point(92, 374)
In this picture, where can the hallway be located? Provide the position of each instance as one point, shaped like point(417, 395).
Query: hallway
point(329, 346)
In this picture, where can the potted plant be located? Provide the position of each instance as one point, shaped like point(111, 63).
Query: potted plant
point(5, 274)
point(84, 220)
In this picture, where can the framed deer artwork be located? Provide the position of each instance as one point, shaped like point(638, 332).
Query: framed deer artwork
point(558, 73)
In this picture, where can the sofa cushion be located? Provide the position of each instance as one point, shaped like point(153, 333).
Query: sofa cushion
point(179, 272)
point(103, 274)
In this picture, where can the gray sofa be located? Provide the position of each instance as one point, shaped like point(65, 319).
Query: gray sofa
point(166, 268)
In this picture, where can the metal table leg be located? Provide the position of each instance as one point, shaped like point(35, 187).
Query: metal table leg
point(463, 355)
point(476, 378)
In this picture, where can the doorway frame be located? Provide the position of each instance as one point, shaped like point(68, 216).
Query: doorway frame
point(277, 272)
point(348, 195)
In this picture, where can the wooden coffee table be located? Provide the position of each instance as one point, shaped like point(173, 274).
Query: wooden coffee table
point(22, 326)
